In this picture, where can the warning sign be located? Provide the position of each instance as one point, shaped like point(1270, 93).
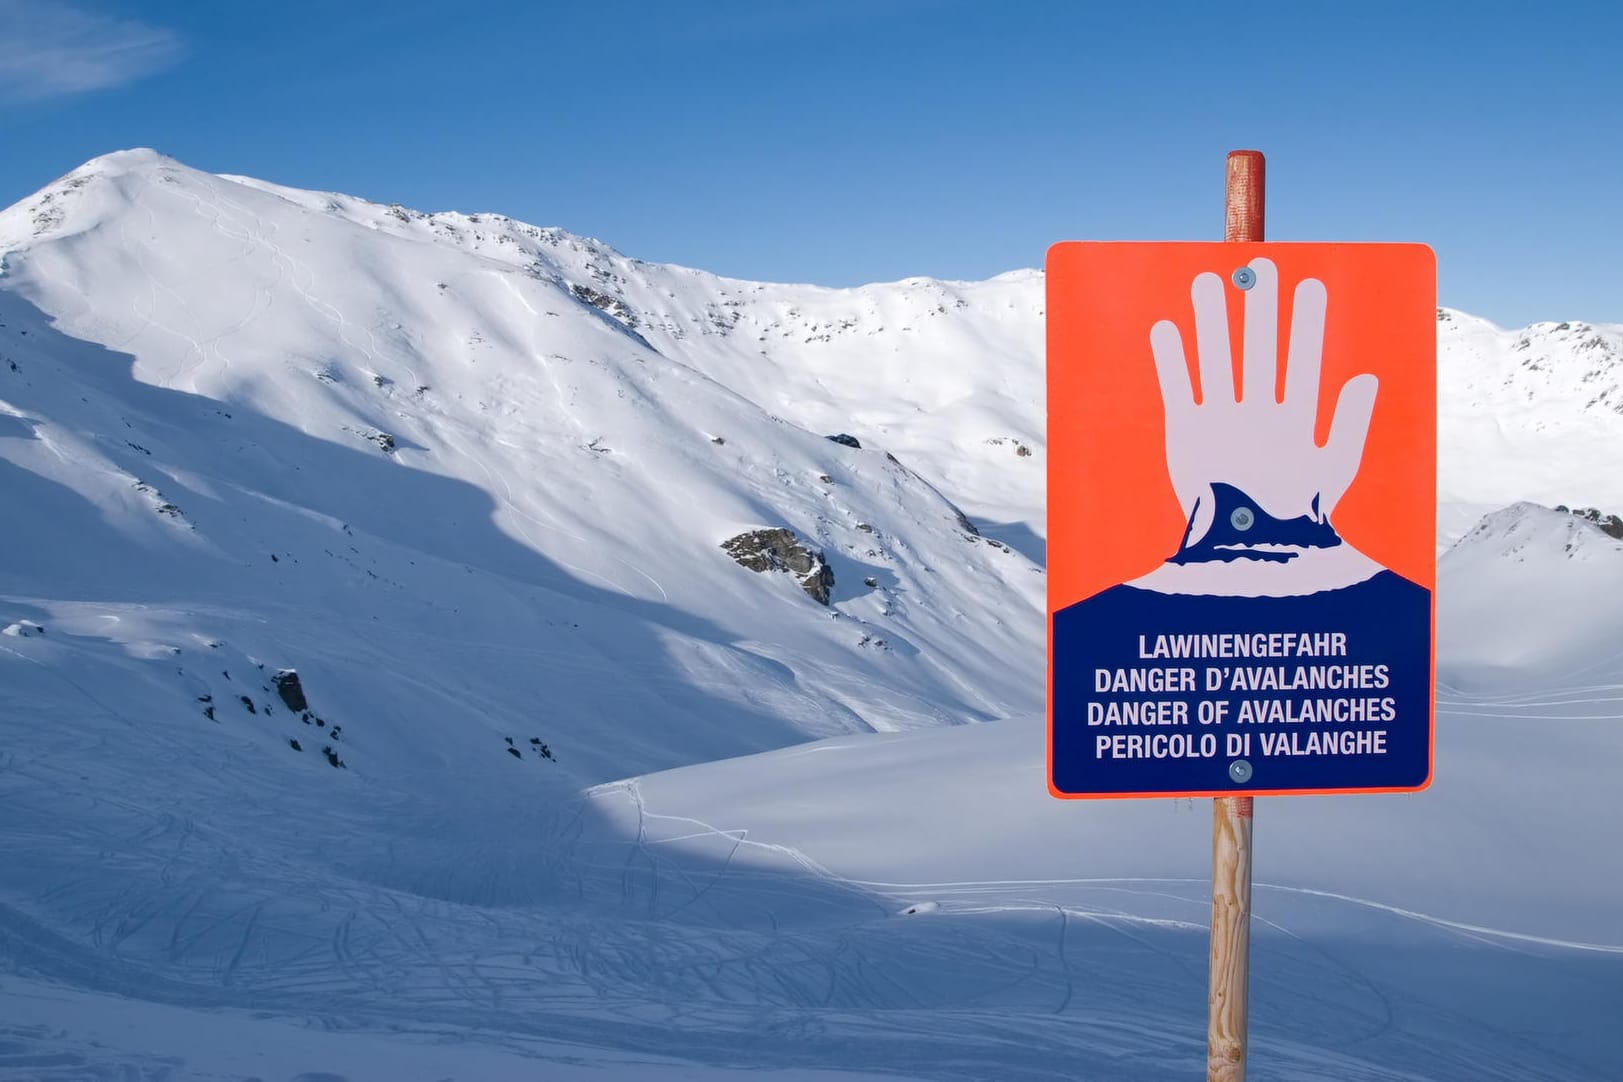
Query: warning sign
point(1242, 518)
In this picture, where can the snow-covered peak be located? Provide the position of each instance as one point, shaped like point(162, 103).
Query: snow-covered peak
point(82, 198)
point(1523, 526)
point(1529, 414)
point(118, 163)
point(1528, 589)
point(1563, 372)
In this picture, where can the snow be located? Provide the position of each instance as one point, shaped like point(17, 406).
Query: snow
point(470, 479)
point(1306, 571)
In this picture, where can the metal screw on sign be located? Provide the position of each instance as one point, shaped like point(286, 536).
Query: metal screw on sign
point(1240, 771)
point(1242, 519)
point(1245, 277)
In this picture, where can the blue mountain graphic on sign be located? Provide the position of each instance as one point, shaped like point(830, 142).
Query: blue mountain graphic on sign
point(1240, 525)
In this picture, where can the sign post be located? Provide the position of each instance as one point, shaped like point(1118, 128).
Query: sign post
point(1228, 984)
point(1242, 522)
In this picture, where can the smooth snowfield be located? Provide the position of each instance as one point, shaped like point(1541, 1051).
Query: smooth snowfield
point(610, 805)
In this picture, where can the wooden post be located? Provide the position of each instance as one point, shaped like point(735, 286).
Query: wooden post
point(1230, 975)
point(1242, 196)
point(1226, 994)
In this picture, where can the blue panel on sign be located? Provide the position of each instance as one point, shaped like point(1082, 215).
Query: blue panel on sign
point(1161, 692)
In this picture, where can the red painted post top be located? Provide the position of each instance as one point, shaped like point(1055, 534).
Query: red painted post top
point(1243, 196)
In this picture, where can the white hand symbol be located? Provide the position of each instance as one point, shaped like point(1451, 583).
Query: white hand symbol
point(1264, 447)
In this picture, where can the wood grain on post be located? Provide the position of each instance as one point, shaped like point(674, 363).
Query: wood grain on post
point(1227, 994)
point(1243, 195)
point(1227, 989)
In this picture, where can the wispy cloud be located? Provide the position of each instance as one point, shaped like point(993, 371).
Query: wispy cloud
point(50, 49)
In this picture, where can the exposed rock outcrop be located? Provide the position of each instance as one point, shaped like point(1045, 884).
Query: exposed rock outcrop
point(288, 687)
point(1609, 524)
point(778, 549)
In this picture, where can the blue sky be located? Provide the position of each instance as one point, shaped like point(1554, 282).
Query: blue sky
point(847, 141)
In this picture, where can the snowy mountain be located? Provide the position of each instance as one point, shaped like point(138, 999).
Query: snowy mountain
point(440, 428)
point(541, 795)
point(1534, 414)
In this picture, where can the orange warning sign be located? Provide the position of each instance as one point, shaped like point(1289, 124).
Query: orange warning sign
point(1241, 517)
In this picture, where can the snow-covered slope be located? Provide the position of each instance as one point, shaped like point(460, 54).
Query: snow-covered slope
point(320, 408)
point(471, 479)
point(1530, 414)
point(907, 903)
point(1528, 559)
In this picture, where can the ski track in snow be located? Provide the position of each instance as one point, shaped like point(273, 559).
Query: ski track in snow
point(456, 946)
point(380, 956)
point(968, 895)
